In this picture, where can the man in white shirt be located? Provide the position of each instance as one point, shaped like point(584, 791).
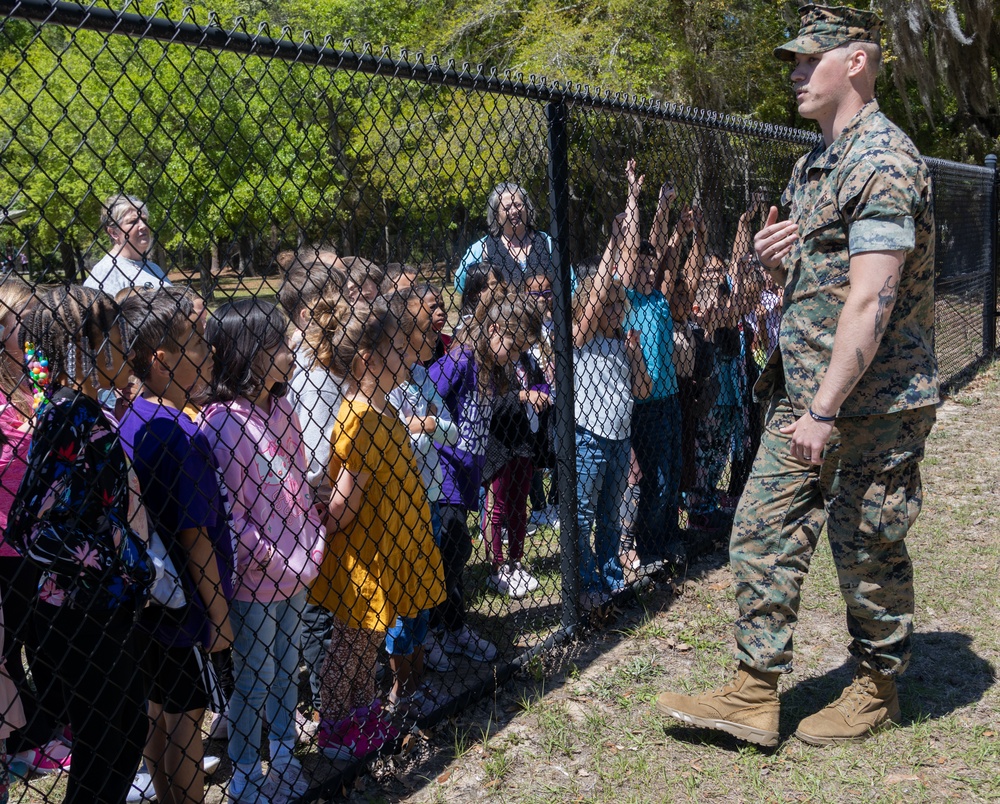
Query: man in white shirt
point(126, 220)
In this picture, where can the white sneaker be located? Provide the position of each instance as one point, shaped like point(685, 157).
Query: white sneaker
point(467, 642)
point(525, 578)
point(285, 781)
point(141, 789)
point(219, 730)
point(545, 517)
point(434, 656)
point(210, 764)
point(503, 581)
point(553, 513)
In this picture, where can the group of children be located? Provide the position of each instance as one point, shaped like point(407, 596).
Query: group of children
point(304, 471)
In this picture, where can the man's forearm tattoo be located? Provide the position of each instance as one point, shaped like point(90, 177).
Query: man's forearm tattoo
point(857, 375)
point(886, 299)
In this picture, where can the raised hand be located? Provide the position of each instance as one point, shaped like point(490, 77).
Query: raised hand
point(668, 193)
point(698, 216)
point(775, 240)
point(634, 181)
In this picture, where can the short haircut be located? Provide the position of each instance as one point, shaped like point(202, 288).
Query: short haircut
point(113, 209)
point(874, 53)
point(155, 319)
point(493, 207)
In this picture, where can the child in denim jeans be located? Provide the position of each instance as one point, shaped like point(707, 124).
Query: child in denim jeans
point(608, 372)
point(429, 424)
point(257, 441)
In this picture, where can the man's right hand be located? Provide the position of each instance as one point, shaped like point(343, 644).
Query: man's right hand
point(775, 240)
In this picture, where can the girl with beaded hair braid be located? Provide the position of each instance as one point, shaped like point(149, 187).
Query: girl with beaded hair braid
point(76, 517)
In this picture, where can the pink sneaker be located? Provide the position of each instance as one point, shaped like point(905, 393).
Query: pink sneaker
point(53, 757)
point(370, 735)
point(356, 737)
point(330, 739)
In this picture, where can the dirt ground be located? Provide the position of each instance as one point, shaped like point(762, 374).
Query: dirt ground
point(580, 725)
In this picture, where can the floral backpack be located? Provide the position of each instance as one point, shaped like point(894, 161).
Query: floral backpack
point(72, 513)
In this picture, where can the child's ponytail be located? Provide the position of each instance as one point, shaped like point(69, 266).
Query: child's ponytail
point(341, 330)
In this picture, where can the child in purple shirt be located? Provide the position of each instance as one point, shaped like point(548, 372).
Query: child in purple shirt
point(183, 498)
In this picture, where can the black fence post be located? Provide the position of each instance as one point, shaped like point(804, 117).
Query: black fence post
point(990, 305)
point(562, 318)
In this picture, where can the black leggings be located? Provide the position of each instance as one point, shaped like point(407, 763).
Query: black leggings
point(456, 549)
point(19, 585)
point(92, 661)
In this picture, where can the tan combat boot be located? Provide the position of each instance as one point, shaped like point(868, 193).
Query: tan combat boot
point(747, 708)
point(867, 705)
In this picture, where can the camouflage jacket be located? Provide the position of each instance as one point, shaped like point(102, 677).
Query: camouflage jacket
point(868, 191)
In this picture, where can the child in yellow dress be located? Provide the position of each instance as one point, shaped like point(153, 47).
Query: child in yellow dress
point(381, 562)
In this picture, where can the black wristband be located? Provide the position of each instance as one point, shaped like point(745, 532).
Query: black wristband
point(825, 419)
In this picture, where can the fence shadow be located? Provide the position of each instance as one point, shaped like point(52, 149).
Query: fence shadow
point(474, 713)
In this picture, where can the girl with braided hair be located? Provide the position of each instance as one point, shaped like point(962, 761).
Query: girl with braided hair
point(382, 570)
point(76, 516)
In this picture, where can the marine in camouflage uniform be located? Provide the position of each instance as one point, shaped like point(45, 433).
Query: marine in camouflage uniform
point(846, 426)
point(869, 191)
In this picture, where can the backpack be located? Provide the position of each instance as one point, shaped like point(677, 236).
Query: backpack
point(102, 563)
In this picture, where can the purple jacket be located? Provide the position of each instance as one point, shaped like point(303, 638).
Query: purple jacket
point(455, 377)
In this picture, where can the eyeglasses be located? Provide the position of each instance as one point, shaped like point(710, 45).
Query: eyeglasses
point(540, 294)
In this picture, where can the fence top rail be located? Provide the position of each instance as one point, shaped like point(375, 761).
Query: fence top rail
point(982, 172)
point(240, 38)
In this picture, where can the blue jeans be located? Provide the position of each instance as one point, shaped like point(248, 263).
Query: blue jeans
point(265, 674)
point(656, 439)
point(408, 633)
point(601, 480)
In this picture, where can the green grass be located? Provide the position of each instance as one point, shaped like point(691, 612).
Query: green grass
point(588, 730)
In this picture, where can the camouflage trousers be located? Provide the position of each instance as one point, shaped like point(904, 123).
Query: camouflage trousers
point(867, 492)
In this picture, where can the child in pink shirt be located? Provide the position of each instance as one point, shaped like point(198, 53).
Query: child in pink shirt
point(257, 440)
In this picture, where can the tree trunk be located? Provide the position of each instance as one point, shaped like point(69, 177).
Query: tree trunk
point(209, 270)
point(246, 256)
point(68, 259)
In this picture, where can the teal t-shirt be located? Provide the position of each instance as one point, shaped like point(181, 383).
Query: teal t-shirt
point(650, 315)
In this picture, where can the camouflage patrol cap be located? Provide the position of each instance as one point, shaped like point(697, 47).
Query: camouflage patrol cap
point(825, 27)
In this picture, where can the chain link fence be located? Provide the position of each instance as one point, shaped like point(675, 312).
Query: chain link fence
point(413, 372)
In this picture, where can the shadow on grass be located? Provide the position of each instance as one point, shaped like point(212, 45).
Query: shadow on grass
point(473, 705)
point(945, 674)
